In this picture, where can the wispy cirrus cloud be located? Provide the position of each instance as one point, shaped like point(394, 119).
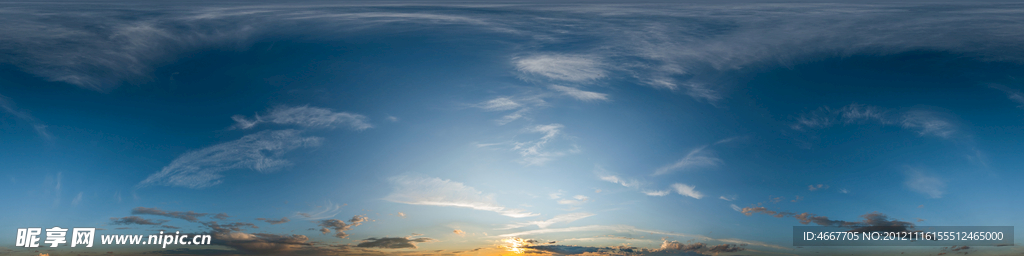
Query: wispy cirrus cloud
point(328, 210)
point(697, 158)
point(1012, 94)
point(8, 106)
point(923, 122)
point(923, 183)
point(538, 152)
point(564, 67)
point(438, 192)
point(579, 94)
point(567, 218)
point(687, 190)
point(262, 152)
point(305, 116)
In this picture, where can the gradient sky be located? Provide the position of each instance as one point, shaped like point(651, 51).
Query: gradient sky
point(419, 128)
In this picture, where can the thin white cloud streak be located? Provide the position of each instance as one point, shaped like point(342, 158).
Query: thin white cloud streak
point(579, 94)
point(923, 122)
point(736, 208)
point(305, 116)
point(633, 183)
point(925, 184)
point(576, 200)
point(499, 104)
point(1013, 95)
point(8, 106)
point(687, 190)
point(656, 192)
point(262, 152)
point(698, 157)
point(564, 67)
point(326, 211)
point(566, 218)
point(438, 192)
point(727, 198)
point(77, 199)
point(535, 152)
point(631, 229)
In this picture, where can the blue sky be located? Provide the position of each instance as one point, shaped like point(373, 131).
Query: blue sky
point(497, 129)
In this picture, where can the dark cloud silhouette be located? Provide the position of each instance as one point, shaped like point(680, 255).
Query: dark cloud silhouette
point(221, 216)
point(134, 220)
point(190, 216)
point(873, 221)
point(393, 242)
point(273, 221)
point(340, 226)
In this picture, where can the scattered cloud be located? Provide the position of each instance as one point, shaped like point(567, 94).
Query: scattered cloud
point(394, 242)
point(564, 67)
point(459, 232)
point(633, 183)
point(817, 187)
point(262, 152)
point(844, 191)
point(579, 94)
point(221, 216)
point(730, 198)
point(925, 184)
point(634, 230)
point(566, 218)
point(134, 220)
point(698, 157)
point(686, 190)
point(438, 192)
point(736, 208)
point(797, 199)
point(873, 221)
point(339, 227)
point(305, 116)
point(273, 221)
point(922, 121)
point(189, 216)
point(401, 214)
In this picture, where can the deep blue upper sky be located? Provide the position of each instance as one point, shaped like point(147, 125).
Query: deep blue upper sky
point(487, 129)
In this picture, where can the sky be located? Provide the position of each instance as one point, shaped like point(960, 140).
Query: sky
point(454, 128)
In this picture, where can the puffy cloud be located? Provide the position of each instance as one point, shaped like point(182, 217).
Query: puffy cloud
point(393, 242)
point(262, 152)
point(459, 232)
point(134, 220)
point(572, 68)
point(273, 221)
point(340, 226)
point(438, 192)
point(190, 216)
point(686, 190)
point(305, 116)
